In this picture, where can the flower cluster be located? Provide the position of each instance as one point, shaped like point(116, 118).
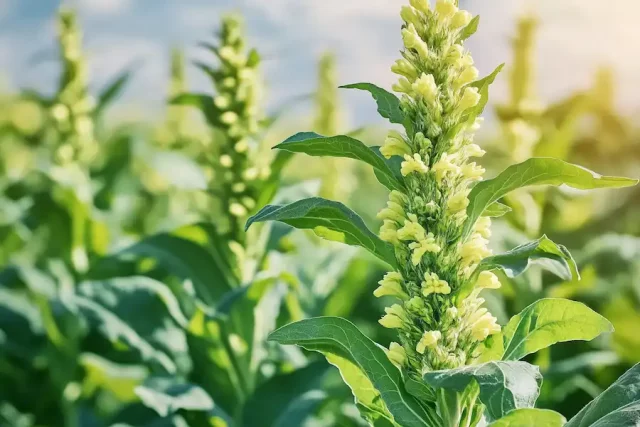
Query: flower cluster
point(235, 169)
point(72, 113)
point(439, 327)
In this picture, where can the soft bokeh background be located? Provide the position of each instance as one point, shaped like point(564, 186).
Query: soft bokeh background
point(576, 37)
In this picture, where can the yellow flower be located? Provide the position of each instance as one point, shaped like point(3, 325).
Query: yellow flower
point(472, 171)
point(468, 75)
point(483, 227)
point(389, 232)
point(422, 246)
point(426, 87)
point(445, 9)
point(470, 98)
point(474, 150)
point(222, 101)
point(413, 41)
point(445, 165)
point(483, 324)
point(433, 285)
point(410, 16)
point(397, 355)
point(413, 164)
point(412, 229)
point(394, 145)
point(390, 322)
point(421, 5)
point(391, 285)
point(487, 280)
point(460, 19)
point(393, 211)
point(403, 86)
point(404, 68)
point(474, 250)
point(458, 202)
point(429, 340)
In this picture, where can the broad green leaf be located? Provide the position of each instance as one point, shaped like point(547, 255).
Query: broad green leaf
point(551, 256)
point(119, 332)
point(504, 386)
point(301, 409)
point(496, 209)
point(341, 338)
point(342, 146)
point(388, 103)
point(530, 417)
point(278, 397)
point(535, 171)
point(167, 395)
point(193, 253)
point(394, 164)
point(329, 220)
point(368, 400)
point(618, 406)
point(544, 323)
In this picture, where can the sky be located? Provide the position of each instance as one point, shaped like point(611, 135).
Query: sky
point(575, 38)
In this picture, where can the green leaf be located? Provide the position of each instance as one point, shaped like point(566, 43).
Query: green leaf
point(342, 146)
point(119, 332)
point(496, 210)
point(388, 103)
point(551, 256)
point(112, 91)
point(504, 386)
point(194, 253)
point(341, 338)
point(368, 400)
point(544, 323)
point(470, 29)
point(530, 417)
point(483, 89)
point(166, 395)
point(618, 406)
point(329, 220)
point(201, 101)
point(283, 395)
point(535, 171)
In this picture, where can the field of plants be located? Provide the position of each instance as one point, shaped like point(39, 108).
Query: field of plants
point(226, 267)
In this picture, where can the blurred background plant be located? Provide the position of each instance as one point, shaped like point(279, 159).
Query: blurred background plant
point(130, 293)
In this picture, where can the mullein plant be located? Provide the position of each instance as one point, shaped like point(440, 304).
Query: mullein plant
point(453, 364)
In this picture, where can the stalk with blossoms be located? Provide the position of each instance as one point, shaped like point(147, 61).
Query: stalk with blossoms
point(239, 175)
point(453, 364)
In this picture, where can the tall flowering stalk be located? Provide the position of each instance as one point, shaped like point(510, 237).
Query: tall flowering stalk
point(453, 364)
point(235, 174)
point(74, 106)
point(438, 328)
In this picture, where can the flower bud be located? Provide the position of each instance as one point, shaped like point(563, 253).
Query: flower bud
point(488, 280)
point(391, 285)
point(470, 98)
point(445, 9)
point(432, 284)
point(237, 210)
point(394, 145)
point(397, 355)
point(420, 5)
point(460, 20)
point(458, 202)
point(403, 86)
point(226, 161)
point(228, 118)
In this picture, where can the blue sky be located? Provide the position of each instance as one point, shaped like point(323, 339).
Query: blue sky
point(576, 36)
